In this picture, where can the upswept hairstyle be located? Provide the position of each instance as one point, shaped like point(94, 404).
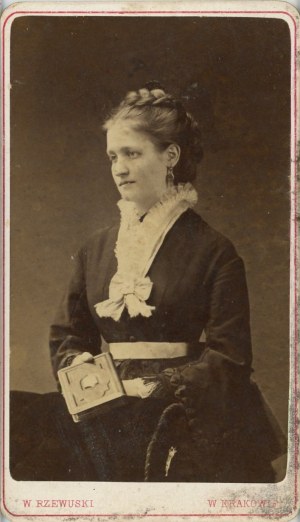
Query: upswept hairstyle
point(164, 119)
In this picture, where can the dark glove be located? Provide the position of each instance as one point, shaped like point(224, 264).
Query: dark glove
point(190, 384)
point(207, 388)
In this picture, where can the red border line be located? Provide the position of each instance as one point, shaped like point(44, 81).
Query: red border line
point(3, 265)
point(147, 13)
point(159, 515)
point(229, 13)
point(295, 270)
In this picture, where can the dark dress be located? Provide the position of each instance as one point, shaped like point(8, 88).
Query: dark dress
point(207, 406)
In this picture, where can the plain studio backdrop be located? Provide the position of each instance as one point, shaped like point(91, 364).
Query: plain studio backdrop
point(66, 73)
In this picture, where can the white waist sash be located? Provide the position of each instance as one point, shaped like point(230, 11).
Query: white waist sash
point(148, 350)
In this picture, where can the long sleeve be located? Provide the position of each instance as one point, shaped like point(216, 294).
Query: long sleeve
point(228, 317)
point(210, 383)
point(73, 330)
point(224, 367)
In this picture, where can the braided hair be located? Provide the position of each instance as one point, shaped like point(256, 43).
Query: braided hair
point(164, 119)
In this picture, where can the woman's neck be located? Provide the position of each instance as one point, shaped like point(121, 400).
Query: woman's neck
point(142, 207)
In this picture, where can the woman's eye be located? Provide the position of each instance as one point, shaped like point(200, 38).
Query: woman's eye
point(132, 154)
point(112, 158)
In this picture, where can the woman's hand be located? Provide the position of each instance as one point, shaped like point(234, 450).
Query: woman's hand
point(82, 357)
point(139, 388)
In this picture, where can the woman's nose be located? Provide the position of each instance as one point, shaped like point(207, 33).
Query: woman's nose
point(120, 168)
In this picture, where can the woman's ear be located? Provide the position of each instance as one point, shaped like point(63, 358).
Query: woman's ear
point(172, 154)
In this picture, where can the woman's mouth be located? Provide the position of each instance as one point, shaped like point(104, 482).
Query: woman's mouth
point(125, 183)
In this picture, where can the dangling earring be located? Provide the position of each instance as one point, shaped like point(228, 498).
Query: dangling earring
point(170, 177)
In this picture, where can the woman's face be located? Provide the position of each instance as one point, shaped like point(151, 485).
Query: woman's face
point(138, 167)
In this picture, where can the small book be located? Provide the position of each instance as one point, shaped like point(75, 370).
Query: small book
point(90, 388)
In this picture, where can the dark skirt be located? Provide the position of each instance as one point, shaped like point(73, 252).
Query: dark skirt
point(135, 441)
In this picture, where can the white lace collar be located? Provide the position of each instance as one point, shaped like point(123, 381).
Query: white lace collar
point(173, 195)
point(137, 239)
point(137, 245)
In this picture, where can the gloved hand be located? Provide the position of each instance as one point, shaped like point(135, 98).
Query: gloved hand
point(190, 384)
point(207, 389)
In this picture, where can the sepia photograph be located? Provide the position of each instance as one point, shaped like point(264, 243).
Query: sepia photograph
point(150, 261)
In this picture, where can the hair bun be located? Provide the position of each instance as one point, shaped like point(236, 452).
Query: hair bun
point(154, 85)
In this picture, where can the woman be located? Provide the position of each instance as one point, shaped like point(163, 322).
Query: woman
point(151, 287)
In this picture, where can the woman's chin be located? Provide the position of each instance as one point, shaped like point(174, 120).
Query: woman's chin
point(127, 192)
point(127, 197)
